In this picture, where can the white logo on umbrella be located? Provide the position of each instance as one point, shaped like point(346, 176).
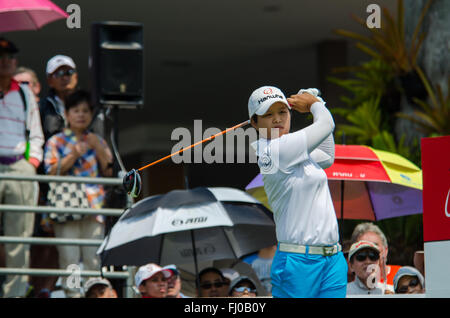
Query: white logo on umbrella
point(446, 205)
point(196, 220)
point(208, 249)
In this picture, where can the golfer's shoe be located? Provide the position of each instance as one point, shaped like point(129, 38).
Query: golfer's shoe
point(132, 183)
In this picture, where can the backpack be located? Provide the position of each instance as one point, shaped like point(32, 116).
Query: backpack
point(27, 131)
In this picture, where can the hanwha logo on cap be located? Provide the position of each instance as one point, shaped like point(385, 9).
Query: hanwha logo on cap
point(267, 91)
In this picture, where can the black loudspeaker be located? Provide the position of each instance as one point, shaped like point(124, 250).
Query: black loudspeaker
point(117, 64)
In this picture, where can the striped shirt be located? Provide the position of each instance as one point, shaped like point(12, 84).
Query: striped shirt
point(85, 166)
point(14, 122)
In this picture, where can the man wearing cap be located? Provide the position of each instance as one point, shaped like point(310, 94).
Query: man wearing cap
point(62, 78)
point(408, 280)
point(368, 231)
point(308, 262)
point(151, 281)
point(21, 152)
point(363, 259)
point(98, 287)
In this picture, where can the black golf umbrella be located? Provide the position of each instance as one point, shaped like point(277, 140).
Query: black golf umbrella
point(185, 226)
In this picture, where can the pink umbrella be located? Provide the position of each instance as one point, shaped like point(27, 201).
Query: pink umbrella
point(16, 15)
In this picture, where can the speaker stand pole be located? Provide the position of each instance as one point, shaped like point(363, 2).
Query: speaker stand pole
point(115, 111)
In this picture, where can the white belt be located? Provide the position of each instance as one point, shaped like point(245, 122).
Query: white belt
point(318, 250)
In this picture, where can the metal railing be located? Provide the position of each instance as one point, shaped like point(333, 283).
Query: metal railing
point(127, 274)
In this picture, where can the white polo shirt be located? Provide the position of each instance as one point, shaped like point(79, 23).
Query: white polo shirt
point(297, 191)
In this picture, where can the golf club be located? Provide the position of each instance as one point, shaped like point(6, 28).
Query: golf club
point(132, 181)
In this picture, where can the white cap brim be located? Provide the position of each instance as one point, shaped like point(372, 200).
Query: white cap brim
point(265, 107)
point(362, 245)
point(166, 272)
point(263, 98)
point(57, 61)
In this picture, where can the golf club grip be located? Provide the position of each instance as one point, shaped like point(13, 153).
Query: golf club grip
point(196, 144)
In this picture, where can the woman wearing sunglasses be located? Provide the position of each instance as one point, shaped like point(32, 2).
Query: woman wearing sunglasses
point(363, 260)
point(409, 280)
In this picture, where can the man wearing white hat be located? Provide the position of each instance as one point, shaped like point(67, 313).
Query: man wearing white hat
point(98, 287)
point(62, 78)
point(363, 260)
point(151, 281)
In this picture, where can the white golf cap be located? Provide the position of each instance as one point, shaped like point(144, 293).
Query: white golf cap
point(147, 271)
point(96, 281)
point(264, 97)
point(57, 61)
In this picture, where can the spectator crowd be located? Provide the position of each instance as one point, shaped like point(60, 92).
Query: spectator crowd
point(61, 134)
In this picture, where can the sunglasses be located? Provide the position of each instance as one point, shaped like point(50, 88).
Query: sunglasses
point(216, 285)
point(244, 288)
point(373, 256)
point(404, 289)
point(62, 73)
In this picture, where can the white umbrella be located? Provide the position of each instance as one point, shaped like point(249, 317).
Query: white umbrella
point(185, 226)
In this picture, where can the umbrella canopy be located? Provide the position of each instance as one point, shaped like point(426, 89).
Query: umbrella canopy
point(374, 184)
point(185, 226)
point(16, 15)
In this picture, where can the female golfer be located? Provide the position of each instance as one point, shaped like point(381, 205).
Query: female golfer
point(308, 261)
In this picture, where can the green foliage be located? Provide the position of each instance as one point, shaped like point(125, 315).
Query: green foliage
point(364, 122)
point(434, 117)
point(405, 236)
point(368, 123)
point(366, 85)
point(368, 81)
point(388, 43)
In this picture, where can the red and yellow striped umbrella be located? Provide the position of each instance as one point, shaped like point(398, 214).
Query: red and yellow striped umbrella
point(374, 184)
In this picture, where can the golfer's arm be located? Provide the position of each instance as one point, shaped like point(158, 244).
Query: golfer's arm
point(320, 133)
point(323, 155)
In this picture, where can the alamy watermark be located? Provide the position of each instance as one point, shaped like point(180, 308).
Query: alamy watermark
point(374, 19)
point(74, 279)
point(232, 147)
point(73, 21)
point(374, 275)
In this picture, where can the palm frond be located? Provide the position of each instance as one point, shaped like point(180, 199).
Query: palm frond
point(401, 21)
point(419, 23)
